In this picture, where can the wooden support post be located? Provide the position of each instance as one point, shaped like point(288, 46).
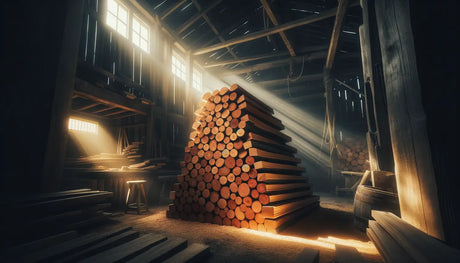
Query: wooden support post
point(63, 91)
point(418, 197)
point(378, 136)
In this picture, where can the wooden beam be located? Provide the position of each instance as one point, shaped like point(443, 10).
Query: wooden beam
point(88, 106)
point(125, 116)
point(341, 10)
point(274, 30)
point(115, 113)
point(172, 9)
point(275, 64)
point(417, 191)
point(213, 28)
point(89, 91)
point(283, 36)
point(263, 56)
point(304, 78)
point(195, 18)
point(246, 59)
point(105, 109)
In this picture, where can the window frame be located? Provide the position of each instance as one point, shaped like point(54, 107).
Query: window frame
point(133, 32)
point(176, 55)
point(117, 18)
point(197, 69)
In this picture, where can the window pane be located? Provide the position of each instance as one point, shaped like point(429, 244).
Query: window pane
point(144, 33)
point(123, 14)
point(112, 6)
point(111, 20)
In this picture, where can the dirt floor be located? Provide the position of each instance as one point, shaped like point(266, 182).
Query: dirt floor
point(324, 227)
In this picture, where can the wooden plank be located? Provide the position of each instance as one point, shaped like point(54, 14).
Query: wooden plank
point(341, 10)
point(308, 255)
point(286, 208)
point(42, 243)
point(418, 195)
point(277, 166)
point(264, 127)
point(386, 245)
point(283, 36)
point(71, 246)
point(259, 138)
point(420, 246)
point(127, 250)
point(101, 246)
point(284, 197)
point(269, 155)
point(162, 251)
point(270, 188)
point(346, 254)
point(250, 109)
point(89, 91)
point(194, 253)
point(272, 177)
point(54, 195)
point(276, 225)
point(54, 205)
point(274, 30)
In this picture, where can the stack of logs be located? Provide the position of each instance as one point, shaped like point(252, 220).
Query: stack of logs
point(353, 155)
point(238, 169)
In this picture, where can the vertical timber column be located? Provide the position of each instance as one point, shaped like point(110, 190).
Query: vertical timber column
point(330, 118)
point(378, 135)
point(166, 81)
point(188, 94)
point(418, 197)
point(63, 89)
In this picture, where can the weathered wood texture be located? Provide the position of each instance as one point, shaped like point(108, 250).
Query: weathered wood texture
point(237, 169)
point(415, 177)
point(398, 241)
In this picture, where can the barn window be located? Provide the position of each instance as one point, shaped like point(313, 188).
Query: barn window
point(178, 66)
point(197, 81)
point(141, 34)
point(83, 126)
point(117, 17)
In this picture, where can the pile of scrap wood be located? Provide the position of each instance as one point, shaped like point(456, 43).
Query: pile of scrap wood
point(133, 151)
point(42, 214)
point(238, 169)
point(117, 245)
point(398, 241)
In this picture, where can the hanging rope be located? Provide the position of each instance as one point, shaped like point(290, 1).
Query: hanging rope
point(291, 72)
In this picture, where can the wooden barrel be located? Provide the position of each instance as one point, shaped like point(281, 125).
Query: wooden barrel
point(369, 198)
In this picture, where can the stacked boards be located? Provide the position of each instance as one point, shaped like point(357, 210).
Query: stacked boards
point(238, 169)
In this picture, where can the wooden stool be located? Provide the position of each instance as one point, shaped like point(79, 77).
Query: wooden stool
point(135, 189)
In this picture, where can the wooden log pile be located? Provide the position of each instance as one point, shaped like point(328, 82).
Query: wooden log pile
point(353, 155)
point(238, 169)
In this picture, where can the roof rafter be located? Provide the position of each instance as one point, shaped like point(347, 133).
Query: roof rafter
point(172, 9)
point(195, 18)
point(283, 36)
point(341, 10)
point(274, 30)
point(276, 63)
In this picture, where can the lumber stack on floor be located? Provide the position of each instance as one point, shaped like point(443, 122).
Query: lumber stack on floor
point(119, 245)
point(38, 215)
point(238, 169)
point(398, 241)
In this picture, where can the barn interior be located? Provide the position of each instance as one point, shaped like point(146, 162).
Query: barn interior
point(229, 131)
